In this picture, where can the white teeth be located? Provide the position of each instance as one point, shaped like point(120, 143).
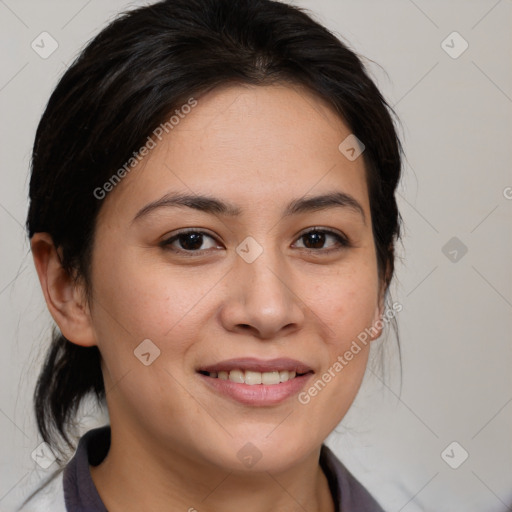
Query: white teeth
point(284, 376)
point(236, 376)
point(269, 378)
point(253, 378)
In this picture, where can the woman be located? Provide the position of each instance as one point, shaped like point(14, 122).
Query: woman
point(212, 219)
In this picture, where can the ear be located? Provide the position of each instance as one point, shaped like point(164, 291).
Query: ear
point(377, 322)
point(64, 297)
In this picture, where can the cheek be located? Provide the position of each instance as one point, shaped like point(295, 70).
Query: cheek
point(169, 306)
point(136, 302)
point(148, 300)
point(346, 307)
point(346, 303)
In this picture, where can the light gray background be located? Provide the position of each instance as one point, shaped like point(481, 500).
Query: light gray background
point(457, 318)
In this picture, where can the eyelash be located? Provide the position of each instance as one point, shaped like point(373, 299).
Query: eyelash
point(343, 241)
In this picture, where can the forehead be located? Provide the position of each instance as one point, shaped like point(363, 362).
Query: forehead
point(254, 145)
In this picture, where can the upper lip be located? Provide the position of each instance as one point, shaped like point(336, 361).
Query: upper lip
point(258, 365)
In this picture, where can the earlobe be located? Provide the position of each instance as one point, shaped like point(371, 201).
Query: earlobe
point(65, 298)
point(377, 323)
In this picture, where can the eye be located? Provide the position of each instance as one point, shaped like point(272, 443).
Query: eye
point(190, 241)
point(316, 238)
point(194, 241)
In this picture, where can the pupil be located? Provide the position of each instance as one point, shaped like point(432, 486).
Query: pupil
point(318, 240)
point(194, 238)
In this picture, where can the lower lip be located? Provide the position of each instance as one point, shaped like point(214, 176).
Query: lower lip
point(259, 394)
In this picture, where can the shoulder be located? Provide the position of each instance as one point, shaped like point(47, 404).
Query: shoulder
point(71, 486)
point(350, 495)
point(48, 496)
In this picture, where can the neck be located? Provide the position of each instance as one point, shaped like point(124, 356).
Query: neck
point(136, 479)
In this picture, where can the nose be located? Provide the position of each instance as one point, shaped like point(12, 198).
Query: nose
point(261, 299)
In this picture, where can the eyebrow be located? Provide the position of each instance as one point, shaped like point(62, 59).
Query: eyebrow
point(216, 206)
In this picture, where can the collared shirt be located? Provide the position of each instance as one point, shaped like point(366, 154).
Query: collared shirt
point(73, 490)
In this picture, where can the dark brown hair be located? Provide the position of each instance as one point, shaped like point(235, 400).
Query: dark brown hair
point(141, 67)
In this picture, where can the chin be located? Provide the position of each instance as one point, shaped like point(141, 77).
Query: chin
point(261, 452)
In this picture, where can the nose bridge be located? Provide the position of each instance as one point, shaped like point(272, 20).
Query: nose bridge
point(263, 294)
point(266, 279)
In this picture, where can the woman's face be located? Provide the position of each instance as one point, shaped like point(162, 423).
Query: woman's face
point(252, 292)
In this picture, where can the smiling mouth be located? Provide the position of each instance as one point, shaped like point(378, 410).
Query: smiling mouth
point(256, 382)
point(253, 378)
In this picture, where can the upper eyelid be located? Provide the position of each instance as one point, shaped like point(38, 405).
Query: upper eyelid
point(325, 230)
point(342, 237)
